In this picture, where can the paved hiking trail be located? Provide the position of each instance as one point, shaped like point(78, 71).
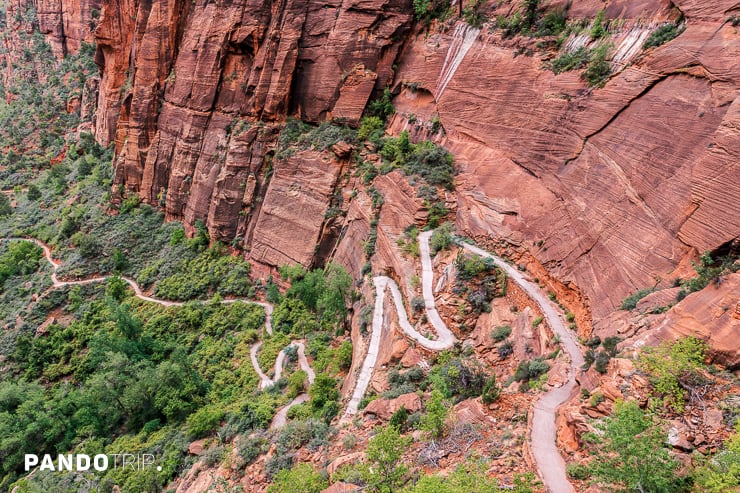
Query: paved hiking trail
point(550, 463)
point(543, 445)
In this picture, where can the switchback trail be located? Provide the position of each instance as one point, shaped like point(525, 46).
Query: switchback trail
point(543, 438)
point(550, 463)
point(445, 339)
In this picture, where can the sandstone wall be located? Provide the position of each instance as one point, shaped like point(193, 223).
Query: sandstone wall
point(605, 190)
point(608, 189)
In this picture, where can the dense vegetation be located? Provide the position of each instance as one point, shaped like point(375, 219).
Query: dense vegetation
point(675, 370)
point(479, 281)
point(21, 258)
point(132, 369)
point(424, 159)
point(595, 60)
point(631, 454)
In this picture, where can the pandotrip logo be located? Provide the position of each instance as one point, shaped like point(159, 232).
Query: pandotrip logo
point(83, 462)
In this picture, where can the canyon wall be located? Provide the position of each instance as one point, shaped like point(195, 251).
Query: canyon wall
point(601, 190)
point(608, 189)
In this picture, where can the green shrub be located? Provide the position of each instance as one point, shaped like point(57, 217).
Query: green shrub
point(597, 27)
point(470, 266)
point(87, 245)
point(277, 463)
point(709, 270)
point(552, 23)
point(674, 367)
point(399, 419)
point(721, 473)
point(491, 391)
point(324, 396)
point(537, 321)
point(33, 193)
point(442, 238)
point(501, 332)
point(303, 478)
point(473, 13)
point(573, 60)
point(213, 456)
point(424, 159)
point(343, 356)
point(663, 34)
point(630, 302)
point(5, 207)
point(505, 349)
point(211, 271)
point(204, 421)
point(22, 258)
point(577, 471)
point(610, 345)
point(630, 453)
point(371, 127)
point(428, 10)
point(437, 411)
point(252, 447)
point(382, 107)
point(530, 370)
point(596, 399)
point(599, 68)
point(296, 384)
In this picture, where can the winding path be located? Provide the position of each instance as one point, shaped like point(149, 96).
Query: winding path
point(543, 438)
point(550, 463)
point(265, 381)
point(446, 338)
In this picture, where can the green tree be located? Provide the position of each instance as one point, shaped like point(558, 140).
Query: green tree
point(33, 193)
point(344, 355)
point(631, 456)
point(468, 477)
point(303, 478)
point(22, 258)
point(323, 393)
point(721, 473)
point(674, 369)
point(442, 238)
point(5, 207)
point(384, 453)
point(120, 262)
point(127, 325)
point(433, 421)
point(491, 390)
point(332, 302)
point(291, 316)
point(116, 288)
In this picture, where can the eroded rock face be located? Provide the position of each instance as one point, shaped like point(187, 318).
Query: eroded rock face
point(602, 189)
point(289, 222)
point(181, 77)
point(606, 188)
point(712, 314)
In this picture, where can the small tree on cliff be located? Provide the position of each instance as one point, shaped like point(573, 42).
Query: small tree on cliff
point(384, 453)
point(631, 456)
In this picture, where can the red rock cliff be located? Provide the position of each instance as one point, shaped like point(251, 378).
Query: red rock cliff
point(607, 189)
point(183, 81)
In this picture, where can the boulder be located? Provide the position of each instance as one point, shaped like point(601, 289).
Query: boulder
point(384, 408)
